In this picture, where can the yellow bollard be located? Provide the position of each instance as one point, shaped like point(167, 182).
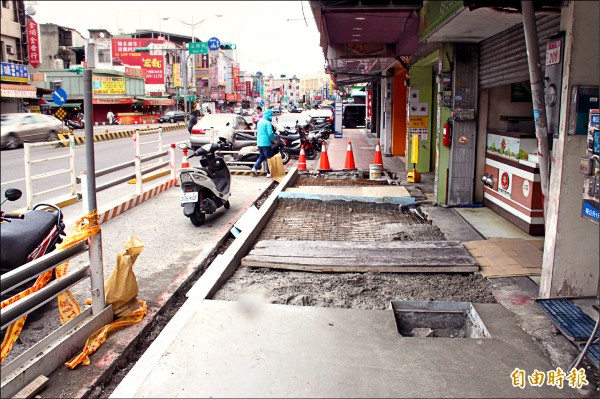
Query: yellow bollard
point(413, 175)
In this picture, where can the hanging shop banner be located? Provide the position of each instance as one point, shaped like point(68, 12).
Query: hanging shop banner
point(248, 88)
point(118, 100)
point(177, 74)
point(37, 77)
point(15, 72)
point(33, 43)
point(163, 102)
point(124, 53)
point(134, 72)
point(108, 85)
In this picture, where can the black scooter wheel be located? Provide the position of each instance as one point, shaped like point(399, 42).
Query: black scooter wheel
point(311, 153)
point(285, 156)
point(197, 218)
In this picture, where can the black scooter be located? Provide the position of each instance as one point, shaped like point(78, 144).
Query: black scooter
point(30, 235)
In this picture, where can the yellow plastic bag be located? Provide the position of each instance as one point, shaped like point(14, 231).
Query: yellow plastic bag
point(276, 167)
point(121, 289)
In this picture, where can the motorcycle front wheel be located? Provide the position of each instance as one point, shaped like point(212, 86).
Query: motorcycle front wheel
point(285, 155)
point(197, 218)
point(311, 153)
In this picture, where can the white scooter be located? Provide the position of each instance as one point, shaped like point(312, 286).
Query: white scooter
point(205, 187)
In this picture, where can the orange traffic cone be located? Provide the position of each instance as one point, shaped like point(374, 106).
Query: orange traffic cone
point(349, 164)
point(324, 161)
point(302, 159)
point(378, 160)
point(184, 160)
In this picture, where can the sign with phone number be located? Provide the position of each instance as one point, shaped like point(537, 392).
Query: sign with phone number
point(590, 211)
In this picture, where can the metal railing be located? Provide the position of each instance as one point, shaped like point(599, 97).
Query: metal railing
point(29, 179)
point(62, 342)
point(136, 163)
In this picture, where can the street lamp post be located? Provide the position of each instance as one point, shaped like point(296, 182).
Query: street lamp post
point(192, 25)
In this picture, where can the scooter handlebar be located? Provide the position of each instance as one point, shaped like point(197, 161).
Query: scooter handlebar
point(12, 215)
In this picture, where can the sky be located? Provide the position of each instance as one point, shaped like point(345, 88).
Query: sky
point(271, 36)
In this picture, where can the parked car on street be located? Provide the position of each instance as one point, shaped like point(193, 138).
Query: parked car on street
point(354, 115)
point(320, 115)
point(20, 127)
point(172, 116)
point(276, 110)
point(212, 126)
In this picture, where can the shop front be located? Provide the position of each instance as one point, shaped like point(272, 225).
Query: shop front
point(121, 107)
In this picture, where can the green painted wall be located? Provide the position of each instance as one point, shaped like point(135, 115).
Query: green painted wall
point(421, 81)
point(443, 159)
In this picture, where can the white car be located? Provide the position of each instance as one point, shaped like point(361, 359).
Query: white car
point(212, 126)
point(20, 127)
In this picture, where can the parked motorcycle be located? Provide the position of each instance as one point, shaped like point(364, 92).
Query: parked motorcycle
point(205, 187)
point(294, 141)
point(76, 124)
point(250, 153)
point(30, 235)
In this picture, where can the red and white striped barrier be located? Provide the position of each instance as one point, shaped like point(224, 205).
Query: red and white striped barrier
point(138, 199)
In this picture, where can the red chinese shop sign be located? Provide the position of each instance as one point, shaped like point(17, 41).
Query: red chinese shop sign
point(33, 43)
point(153, 66)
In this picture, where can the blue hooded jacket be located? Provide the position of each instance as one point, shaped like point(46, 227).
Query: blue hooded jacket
point(264, 130)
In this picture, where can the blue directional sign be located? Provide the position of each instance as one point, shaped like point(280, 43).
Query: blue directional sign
point(59, 96)
point(214, 43)
point(262, 103)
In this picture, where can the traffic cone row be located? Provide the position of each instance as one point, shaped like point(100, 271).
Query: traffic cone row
point(348, 164)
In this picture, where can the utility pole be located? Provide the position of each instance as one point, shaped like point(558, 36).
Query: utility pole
point(537, 94)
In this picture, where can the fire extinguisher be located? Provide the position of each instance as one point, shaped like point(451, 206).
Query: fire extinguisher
point(447, 137)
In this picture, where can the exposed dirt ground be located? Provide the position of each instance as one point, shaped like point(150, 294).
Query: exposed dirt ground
point(352, 290)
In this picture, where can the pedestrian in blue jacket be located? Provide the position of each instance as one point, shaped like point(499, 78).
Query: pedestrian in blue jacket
point(264, 135)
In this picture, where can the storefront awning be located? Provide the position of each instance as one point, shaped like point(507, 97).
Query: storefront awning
point(17, 90)
point(162, 101)
point(65, 105)
point(112, 100)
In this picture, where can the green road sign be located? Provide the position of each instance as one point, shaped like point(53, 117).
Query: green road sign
point(190, 99)
point(198, 48)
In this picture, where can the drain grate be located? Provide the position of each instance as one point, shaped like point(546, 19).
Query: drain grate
point(568, 318)
point(593, 353)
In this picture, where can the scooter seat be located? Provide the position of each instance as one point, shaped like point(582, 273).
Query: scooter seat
point(245, 136)
point(19, 237)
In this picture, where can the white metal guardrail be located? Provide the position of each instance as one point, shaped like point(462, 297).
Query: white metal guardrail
point(29, 179)
point(136, 164)
point(58, 347)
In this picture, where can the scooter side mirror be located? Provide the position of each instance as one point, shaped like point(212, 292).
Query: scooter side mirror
point(13, 194)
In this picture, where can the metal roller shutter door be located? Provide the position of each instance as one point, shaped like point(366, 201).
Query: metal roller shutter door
point(503, 57)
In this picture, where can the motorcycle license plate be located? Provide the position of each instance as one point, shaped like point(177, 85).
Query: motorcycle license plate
point(189, 197)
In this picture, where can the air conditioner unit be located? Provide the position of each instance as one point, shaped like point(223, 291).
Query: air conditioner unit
point(10, 50)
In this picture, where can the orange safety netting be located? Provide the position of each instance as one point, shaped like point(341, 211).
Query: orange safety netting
point(95, 340)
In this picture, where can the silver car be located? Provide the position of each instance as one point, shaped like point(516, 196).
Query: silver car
point(212, 126)
point(18, 128)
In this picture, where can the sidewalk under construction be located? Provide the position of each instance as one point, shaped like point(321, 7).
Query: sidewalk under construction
point(239, 335)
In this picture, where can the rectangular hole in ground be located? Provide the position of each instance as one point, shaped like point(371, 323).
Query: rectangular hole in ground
point(438, 320)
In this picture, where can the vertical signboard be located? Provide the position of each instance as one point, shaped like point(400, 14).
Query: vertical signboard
point(124, 53)
point(177, 74)
point(33, 43)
